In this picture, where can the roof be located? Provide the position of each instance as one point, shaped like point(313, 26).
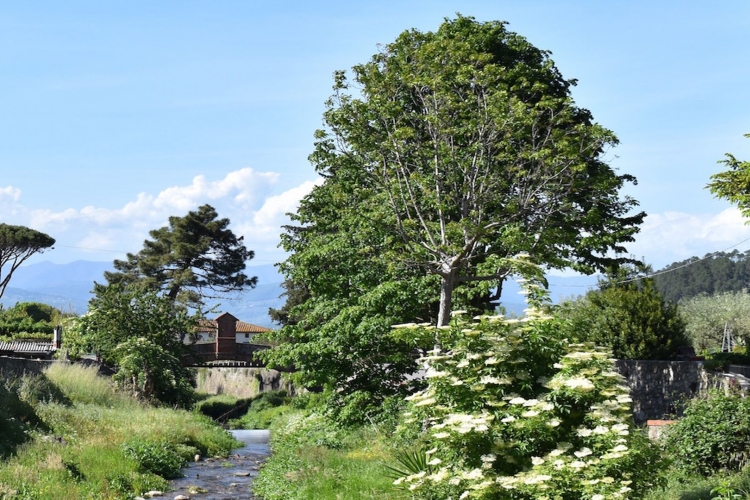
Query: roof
point(27, 347)
point(209, 325)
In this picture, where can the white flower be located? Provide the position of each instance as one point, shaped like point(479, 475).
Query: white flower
point(537, 460)
point(584, 432)
point(517, 401)
point(530, 413)
point(597, 497)
point(583, 452)
point(580, 383)
point(426, 402)
point(475, 474)
point(553, 423)
point(488, 458)
point(508, 419)
point(441, 435)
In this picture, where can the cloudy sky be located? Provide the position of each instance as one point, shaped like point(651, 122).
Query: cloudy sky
point(116, 115)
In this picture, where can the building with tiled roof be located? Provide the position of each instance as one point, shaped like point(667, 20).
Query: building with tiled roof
point(244, 332)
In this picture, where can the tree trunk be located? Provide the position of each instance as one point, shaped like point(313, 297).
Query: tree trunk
point(446, 299)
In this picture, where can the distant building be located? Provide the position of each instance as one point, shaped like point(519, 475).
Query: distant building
point(243, 332)
point(32, 349)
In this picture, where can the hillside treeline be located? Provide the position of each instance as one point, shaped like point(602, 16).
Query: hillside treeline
point(715, 273)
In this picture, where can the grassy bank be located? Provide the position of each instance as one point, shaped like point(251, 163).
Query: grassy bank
point(70, 435)
point(312, 458)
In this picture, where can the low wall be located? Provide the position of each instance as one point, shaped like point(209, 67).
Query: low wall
point(660, 388)
point(20, 366)
point(240, 382)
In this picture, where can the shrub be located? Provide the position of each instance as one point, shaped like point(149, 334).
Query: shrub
point(162, 459)
point(713, 435)
point(512, 412)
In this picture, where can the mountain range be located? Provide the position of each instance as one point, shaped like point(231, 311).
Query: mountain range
point(68, 287)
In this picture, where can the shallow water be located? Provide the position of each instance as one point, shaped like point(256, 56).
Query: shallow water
point(225, 478)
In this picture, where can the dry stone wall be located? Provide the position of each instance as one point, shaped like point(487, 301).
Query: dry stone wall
point(241, 382)
point(660, 388)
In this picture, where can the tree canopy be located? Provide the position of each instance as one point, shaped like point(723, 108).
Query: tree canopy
point(733, 184)
point(447, 153)
point(141, 334)
point(18, 243)
point(192, 258)
point(713, 273)
point(473, 150)
point(627, 315)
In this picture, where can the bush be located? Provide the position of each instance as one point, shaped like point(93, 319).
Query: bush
point(712, 436)
point(162, 459)
point(512, 411)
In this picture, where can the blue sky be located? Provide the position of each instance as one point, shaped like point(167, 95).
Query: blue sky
point(115, 115)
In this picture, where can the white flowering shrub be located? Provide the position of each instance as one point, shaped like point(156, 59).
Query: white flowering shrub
point(513, 412)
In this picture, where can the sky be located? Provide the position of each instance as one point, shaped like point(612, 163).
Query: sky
point(116, 115)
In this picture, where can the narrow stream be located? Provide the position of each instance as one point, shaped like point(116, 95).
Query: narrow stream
point(225, 478)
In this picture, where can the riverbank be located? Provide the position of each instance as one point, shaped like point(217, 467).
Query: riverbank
point(69, 434)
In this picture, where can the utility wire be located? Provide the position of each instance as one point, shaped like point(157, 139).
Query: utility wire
point(664, 271)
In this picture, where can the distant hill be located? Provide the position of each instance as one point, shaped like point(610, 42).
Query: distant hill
point(713, 273)
point(68, 287)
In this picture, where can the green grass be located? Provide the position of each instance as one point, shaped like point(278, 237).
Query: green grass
point(312, 458)
point(78, 430)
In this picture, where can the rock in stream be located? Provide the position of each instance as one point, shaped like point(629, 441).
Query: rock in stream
point(224, 478)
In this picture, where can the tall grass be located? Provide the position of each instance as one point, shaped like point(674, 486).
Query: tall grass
point(313, 458)
point(80, 441)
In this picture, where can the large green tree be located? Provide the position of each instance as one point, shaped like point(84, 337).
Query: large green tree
point(448, 152)
point(474, 149)
point(708, 316)
point(191, 259)
point(18, 243)
point(139, 333)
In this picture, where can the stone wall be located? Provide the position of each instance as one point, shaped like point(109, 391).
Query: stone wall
point(241, 382)
point(19, 366)
point(660, 388)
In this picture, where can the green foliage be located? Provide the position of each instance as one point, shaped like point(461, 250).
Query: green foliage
point(29, 320)
point(140, 333)
point(467, 143)
point(18, 243)
point(158, 458)
point(713, 435)
point(707, 316)
point(458, 149)
point(314, 458)
point(191, 258)
point(630, 318)
point(733, 184)
point(512, 412)
point(260, 411)
point(715, 273)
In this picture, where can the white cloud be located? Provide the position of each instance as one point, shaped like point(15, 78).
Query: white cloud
point(266, 222)
point(242, 195)
point(675, 236)
point(10, 192)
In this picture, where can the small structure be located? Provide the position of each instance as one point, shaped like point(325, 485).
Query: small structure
point(33, 349)
point(28, 349)
point(225, 340)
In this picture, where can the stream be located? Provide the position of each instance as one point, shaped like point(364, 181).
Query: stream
point(225, 478)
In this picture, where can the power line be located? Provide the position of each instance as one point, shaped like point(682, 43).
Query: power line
point(664, 271)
